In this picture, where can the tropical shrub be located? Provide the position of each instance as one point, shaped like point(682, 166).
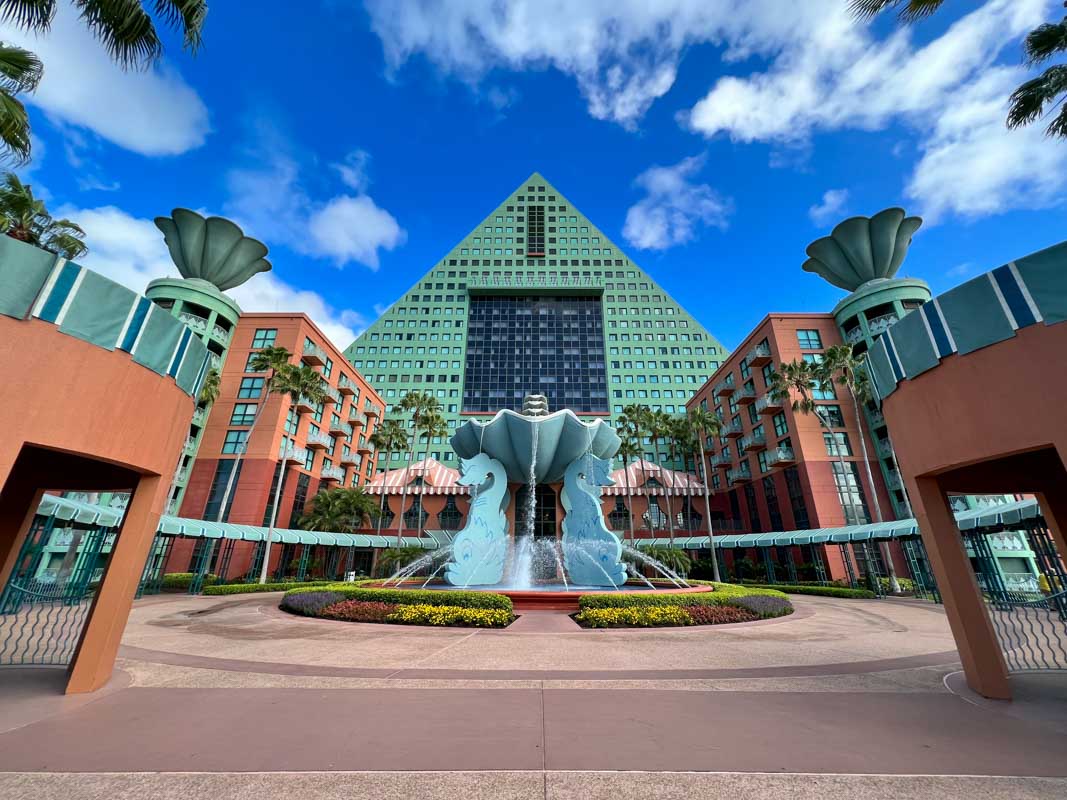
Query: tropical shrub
point(724, 592)
point(357, 610)
point(720, 615)
point(401, 597)
point(824, 591)
point(310, 604)
point(451, 615)
point(634, 617)
point(179, 581)
point(251, 588)
point(764, 606)
point(907, 585)
point(393, 559)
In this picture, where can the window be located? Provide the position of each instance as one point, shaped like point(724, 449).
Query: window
point(264, 337)
point(243, 414)
point(773, 510)
point(837, 444)
point(831, 414)
point(796, 499)
point(850, 492)
point(535, 229)
point(250, 388)
point(218, 488)
point(809, 339)
point(234, 442)
point(248, 364)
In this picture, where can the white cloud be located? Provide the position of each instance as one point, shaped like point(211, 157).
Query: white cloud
point(960, 270)
point(673, 207)
point(353, 170)
point(270, 202)
point(623, 54)
point(130, 250)
point(832, 204)
point(152, 112)
point(949, 90)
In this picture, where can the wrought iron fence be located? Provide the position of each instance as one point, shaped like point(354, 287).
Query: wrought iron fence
point(40, 623)
point(1032, 631)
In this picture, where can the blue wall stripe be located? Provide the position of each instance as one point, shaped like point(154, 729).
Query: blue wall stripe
point(177, 360)
point(933, 319)
point(58, 296)
point(891, 351)
point(1013, 296)
point(139, 314)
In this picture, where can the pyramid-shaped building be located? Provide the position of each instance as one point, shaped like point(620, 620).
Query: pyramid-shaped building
point(535, 299)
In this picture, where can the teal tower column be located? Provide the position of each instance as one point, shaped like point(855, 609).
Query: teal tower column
point(212, 255)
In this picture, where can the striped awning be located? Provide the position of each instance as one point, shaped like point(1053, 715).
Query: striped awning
point(638, 473)
point(67, 508)
point(437, 479)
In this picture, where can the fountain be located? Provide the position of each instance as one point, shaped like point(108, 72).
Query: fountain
point(535, 448)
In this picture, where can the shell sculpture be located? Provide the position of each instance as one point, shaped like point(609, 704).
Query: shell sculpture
point(863, 249)
point(212, 249)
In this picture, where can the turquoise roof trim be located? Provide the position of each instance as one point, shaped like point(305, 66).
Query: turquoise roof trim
point(976, 314)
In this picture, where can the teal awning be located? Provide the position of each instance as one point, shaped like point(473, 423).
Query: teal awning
point(66, 508)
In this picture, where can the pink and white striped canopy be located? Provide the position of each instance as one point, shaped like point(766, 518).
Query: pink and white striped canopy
point(639, 472)
point(436, 479)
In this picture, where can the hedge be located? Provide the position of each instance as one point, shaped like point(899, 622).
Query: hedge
point(723, 595)
point(250, 588)
point(824, 591)
point(451, 615)
point(411, 597)
point(179, 581)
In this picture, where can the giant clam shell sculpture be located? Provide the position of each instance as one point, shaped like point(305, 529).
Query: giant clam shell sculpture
point(212, 249)
point(863, 249)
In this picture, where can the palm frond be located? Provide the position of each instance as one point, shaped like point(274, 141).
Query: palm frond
point(1045, 41)
point(907, 10)
point(65, 245)
point(187, 16)
point(33, 15)
point(124, 28)
point(1028, 102)
point(14, 130)
point(20, 70)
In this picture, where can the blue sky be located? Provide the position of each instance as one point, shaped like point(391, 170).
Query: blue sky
point(712, 141)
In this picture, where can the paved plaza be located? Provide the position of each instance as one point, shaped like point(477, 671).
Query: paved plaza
point(221, 696)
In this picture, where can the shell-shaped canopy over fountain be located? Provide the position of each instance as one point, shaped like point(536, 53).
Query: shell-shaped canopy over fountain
point(212, 249)
point(561, 438)
point(863, 249)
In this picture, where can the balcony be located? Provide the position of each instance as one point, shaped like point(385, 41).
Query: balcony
point(854, 335)
point(304, 405)
point(340, 429)
point(332, 395)
point(190, 445)
point(181, 476)
point(751, 444)
point(781, 457)
point(200, 417)
point(349, 459)
point(721, 462)
point(885, 447)
point(172, 507)
point(372, 411)
point(334, 474)
point(365, 449)
point(356, 419)
point(215, 361)
point(319, 441)
point(198, 324)
point(533, 282)
point(725, 387)
point(892, 480)
point(768, 404)
point(879, 324)
point(739, 475)
point(220, 334)
point(876, 417)
point(346, 387)
point(732, 430)
point(313, 355)
point(745, 396)
point(759, 355)
point(296, 455)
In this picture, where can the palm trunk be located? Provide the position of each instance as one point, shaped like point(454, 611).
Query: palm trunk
point(707, 511)
point(404, 491)
point(844, 471)
point(630, 502)
point(887, 555)
point(273, 517)
point(422, 489)
point(670, 519)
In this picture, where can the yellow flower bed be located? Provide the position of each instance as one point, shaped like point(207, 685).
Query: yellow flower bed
point(636, 617)
point(451, 615)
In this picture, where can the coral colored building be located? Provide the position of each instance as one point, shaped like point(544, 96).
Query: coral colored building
point(311, 447)
point(776, 469)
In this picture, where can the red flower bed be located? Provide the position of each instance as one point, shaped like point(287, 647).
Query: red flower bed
point(719, 615)
point(359, 611)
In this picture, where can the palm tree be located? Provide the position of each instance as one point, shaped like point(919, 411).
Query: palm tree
point(20, 71)
point(706, 424)
point(677, 561)
point(1029, 102)
point(389, 437)
point(631, 422)
point(124, 27)
point(209, 390)
point(393, 558)
point(841, 366)
point(340, 510)
point(628, 451)
point(295, 382)
point(803, 378)
point(24, 217)
point(430, 425)
point(658, 425)
point(418, 404)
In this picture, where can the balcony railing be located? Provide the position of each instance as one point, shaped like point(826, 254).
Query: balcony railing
point(365, 449)
point(215, 361)
point(333, 474)
point(768, 404)
point(725, 386)
point(753, 442)
point(876, 417)
point(332, 395)
point(746, 395)
point(345, 386)
point(319, 440)
point(732, 430)
point(220, 333)
point(340, 429)
point(295, 455)
point(313, 354)
point(759, 355)
point(182, 476)
point(879, 324)
point(739, 475)
point(190, 445)
point(892, 479)
point(356, 418)
point(521, 282)
point(854, 335)
point(885, 447)
point(780, 456)
point(721, 461)
point(304, 405)
point(349, 459)
point(172, 507)
point(372, 411)
point(198, 324)
point(200, 416)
